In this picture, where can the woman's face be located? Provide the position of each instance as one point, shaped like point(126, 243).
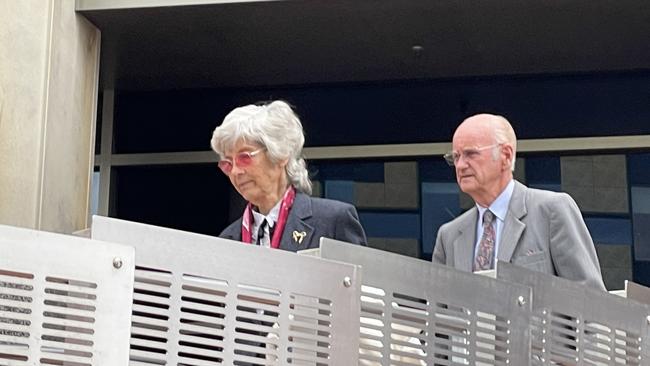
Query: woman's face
point(261, 182)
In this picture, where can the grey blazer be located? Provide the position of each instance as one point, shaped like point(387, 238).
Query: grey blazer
point(316, 217)
point(543, 231)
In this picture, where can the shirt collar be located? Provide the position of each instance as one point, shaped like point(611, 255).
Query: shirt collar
point(500, 205)
point(271, 218)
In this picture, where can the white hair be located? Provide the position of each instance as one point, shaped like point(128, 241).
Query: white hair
point(274, 126)
point(504, 134)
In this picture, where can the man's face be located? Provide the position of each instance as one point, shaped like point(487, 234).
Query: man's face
point(479, 164)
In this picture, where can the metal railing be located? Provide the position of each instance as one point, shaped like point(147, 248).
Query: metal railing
point(573, 324)
point(169, 297)
point(418, 313)
point(63, 300)
point(201, 300)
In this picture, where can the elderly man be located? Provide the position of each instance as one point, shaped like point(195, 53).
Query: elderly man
point(540, 230)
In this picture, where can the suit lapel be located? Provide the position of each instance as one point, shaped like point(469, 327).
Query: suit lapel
point(464, 243)
point(513, 227)
point(297, 233)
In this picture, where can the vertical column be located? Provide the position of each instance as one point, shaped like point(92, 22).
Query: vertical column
point(105, 152)
point(49, 67)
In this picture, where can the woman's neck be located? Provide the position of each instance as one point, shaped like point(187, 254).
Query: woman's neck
point(271, 200)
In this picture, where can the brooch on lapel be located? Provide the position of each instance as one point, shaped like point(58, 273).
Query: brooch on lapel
point(298, 236)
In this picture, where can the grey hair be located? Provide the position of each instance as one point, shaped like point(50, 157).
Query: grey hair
point(504, 134)
point(274, 126)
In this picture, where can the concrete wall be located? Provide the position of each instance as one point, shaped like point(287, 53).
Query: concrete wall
point(49, 66)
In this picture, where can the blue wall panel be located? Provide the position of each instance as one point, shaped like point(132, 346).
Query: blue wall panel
point(440, 204)
point(638, 166)
point(610, 230)
point(391, 224)
point(436, 170)
point(340, 190)
point(355, 171)
point(543, 170)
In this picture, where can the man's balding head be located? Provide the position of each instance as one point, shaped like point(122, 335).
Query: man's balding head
point(484, 148)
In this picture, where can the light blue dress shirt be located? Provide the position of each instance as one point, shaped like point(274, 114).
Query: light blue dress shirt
point(499, 208)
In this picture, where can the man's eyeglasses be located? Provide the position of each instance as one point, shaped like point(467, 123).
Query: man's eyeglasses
point(452, 157)
point(243, 160)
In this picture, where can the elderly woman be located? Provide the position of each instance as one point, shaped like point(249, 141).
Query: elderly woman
point(260, 148)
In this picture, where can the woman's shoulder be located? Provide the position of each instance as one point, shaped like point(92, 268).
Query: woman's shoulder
point(232, 231)
point(329, 204)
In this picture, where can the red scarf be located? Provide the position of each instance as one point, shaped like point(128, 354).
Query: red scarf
point(285, 207)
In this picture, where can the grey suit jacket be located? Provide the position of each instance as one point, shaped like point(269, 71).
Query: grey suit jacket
point(543, 231)
point(316, 217)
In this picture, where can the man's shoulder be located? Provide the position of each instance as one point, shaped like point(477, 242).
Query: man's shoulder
point(543, 195)
point(549, 201)
point(461, 220)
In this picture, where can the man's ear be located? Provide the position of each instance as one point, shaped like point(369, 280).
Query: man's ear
point(508, 155)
